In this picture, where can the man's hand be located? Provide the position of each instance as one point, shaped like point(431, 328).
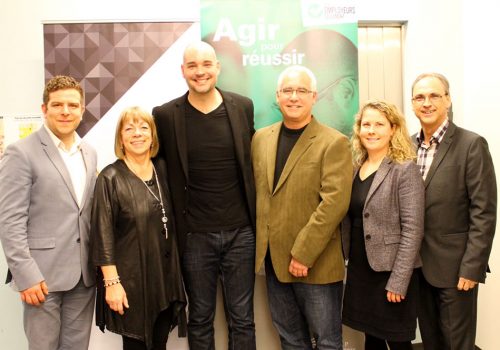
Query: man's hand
point(35, 295)
point(394, 297)
point(465, 284)
point(297, 269)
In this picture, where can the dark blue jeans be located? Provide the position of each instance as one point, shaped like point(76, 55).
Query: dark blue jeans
point(303, 313)
point(230, 256)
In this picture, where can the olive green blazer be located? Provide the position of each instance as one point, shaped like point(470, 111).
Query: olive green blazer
point(301, 216)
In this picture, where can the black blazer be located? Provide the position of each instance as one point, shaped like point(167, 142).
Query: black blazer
point(171, 127)
point(460, 210)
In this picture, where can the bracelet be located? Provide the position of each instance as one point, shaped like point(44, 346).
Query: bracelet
point(109, 284)
point(111, 281)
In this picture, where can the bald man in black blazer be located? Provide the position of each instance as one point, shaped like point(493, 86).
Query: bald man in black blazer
point(205, 139)
point(460, 218)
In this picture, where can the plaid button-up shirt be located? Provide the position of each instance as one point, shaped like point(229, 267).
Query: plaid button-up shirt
point(426, 153)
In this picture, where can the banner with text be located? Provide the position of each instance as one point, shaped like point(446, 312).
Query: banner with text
point(256, 39)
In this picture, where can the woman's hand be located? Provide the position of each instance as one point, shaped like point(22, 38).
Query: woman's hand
point(394, 297)
point(117, 298)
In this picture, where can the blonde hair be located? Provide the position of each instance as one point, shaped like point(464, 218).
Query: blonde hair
point(400, 146)
point(135, 114)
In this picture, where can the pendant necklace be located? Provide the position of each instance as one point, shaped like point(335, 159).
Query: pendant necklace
point(164, 218)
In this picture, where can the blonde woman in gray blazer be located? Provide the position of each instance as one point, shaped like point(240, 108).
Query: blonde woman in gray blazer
point(383, 230)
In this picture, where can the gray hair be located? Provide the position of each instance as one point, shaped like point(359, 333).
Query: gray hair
point(438, 76)
point(298, 69)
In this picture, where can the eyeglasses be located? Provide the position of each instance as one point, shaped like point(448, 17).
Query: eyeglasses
point(300, 92)
point(433, 98)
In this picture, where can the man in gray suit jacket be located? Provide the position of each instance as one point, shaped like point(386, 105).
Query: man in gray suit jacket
point(460, 218)
point(46, 188)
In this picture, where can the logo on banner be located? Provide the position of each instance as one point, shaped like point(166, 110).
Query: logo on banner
point(324, 12)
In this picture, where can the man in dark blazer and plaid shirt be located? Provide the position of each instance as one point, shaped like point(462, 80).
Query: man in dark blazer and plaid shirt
point(460, 218)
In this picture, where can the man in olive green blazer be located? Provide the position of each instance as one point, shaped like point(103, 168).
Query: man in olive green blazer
point(303, 173)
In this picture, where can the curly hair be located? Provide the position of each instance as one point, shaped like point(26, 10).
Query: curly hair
point(62, 82)
point(400, 146)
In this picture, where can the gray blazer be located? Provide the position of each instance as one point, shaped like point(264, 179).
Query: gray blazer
point(460, 210)
point(44, 233)
point(393, 222)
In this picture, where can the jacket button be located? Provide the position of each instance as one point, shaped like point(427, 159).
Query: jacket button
point(368, 237)
point(366, 215)
point(184, 212)
point(78, 240)
point(185, 188)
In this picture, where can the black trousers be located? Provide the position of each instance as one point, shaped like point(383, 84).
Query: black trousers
point(374, 343)
point(447, 317)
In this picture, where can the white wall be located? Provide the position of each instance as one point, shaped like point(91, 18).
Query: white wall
point(480, 109)
point(454, 37)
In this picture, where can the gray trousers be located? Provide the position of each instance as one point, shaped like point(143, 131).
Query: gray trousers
point(63, 321)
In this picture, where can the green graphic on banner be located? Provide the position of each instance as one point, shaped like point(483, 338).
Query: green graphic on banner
point(256, 39)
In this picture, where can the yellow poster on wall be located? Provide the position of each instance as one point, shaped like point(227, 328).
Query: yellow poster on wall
point(13, 128)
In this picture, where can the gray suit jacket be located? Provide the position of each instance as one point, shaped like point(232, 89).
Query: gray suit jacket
point(460, 213)
point(43, 231)
point(393, 222)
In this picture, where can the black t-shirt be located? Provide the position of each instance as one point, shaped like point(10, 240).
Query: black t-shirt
point(216, 200)
point(287, 139)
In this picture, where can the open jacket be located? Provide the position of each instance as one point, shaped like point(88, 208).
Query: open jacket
point(170, 120)
point(300, 217)
point(123, 234)
point(393, 222)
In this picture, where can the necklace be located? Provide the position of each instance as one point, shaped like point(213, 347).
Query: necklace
point(164, 218)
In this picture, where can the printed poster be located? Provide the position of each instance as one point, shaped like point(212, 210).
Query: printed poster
point(256, 39)
point(13, 128)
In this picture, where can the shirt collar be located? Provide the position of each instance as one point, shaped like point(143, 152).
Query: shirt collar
point(438, 135)
point(60, 145)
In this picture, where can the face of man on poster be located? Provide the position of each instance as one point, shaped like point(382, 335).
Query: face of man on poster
point(336, 66)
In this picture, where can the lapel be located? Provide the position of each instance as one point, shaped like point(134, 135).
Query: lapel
point(180, 132)
point(380, 175)
point(442, 150)
point(88, 161)
point(235, 117)
point(303, 143)
point(271, 149)
point(53, 154)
